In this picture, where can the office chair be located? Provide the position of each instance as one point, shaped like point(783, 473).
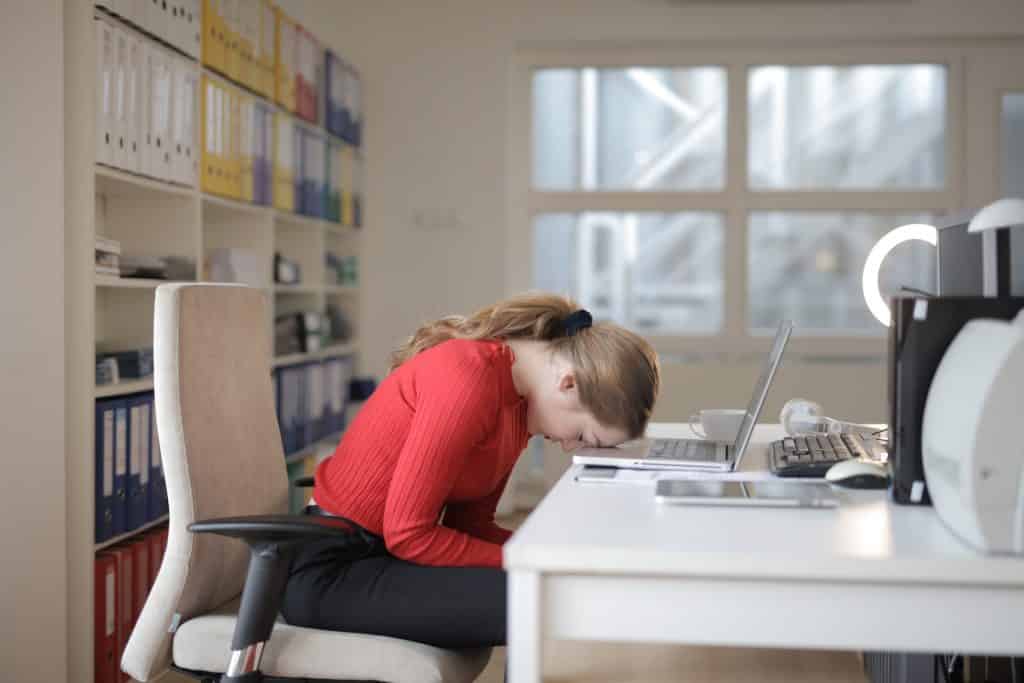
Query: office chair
point(227, 489)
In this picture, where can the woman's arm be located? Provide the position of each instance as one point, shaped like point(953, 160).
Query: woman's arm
point(456, 406)
point(476, 517)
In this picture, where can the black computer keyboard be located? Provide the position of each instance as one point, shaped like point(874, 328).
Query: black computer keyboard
point(812, 455)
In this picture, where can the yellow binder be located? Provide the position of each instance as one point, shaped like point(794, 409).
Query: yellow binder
point(246, 129)
point(284, 163)
point(265, 84)
point(284, 60)
point(213, 36)
point(234, 142)
point(229, 21)
point(208, 133)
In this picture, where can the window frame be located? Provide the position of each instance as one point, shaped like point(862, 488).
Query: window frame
point(736, 200)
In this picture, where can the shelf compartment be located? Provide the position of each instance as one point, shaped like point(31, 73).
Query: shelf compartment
point(131, 534)
point(111, 282)
point(216, 202)
point(128, 386)
point(327, 352)
point(118, 184)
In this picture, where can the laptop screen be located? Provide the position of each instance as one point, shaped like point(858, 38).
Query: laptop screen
point(761, 391)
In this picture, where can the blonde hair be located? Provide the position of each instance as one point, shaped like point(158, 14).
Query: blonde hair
point(617, 371)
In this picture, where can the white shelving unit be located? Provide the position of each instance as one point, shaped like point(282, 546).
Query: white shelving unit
point(153, 217)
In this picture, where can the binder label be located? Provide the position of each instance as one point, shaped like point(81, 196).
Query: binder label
point(143, 441)
point(110, 615)
point(121, 459)
point(108, 453)
point(136, 446)
point(154, 449)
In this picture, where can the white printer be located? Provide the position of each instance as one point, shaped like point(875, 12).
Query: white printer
point(973, 436)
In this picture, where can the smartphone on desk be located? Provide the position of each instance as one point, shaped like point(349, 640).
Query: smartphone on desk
point(792, 494)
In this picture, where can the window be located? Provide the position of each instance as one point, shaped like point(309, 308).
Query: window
point(638, 209)
point(806, 266)
point(629, 129)
point(654, 272)
point(856, 127)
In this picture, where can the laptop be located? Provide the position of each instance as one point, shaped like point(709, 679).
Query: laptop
point(695, 454)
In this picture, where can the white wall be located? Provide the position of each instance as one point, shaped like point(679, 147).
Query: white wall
point(436, 89)
point(33, 600)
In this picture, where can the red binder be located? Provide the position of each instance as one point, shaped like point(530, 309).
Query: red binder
point(105, 618)
point(124, 608)
point(140, 581)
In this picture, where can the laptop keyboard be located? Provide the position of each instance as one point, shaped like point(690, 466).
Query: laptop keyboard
point(812, 455)
point(683, 449)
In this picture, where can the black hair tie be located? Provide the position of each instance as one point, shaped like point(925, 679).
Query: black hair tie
point(577, 321)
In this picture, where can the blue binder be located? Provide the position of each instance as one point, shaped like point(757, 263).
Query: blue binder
point(331, 83)
point(338, 371)
point(120, 465)
point(106, 494)
point(301, 411)
point(292, 389)
point(157, 486)
point(275, 383)
point(315, 413)
point(138, 465)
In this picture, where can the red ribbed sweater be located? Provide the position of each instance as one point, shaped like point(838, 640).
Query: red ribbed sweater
point(441, 432)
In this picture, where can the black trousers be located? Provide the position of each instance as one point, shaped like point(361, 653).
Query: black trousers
point(355, 585)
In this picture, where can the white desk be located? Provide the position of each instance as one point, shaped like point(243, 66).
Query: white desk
point(606, 562)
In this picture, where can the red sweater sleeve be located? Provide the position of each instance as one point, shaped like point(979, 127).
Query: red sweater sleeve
point(476, 517)
point(455, 408)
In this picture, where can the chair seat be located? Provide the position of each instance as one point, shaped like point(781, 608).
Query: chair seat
point(204, 644)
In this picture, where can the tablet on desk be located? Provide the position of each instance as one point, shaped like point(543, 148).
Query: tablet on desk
point(745, 493)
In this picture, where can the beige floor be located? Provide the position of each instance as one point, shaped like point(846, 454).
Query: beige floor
point(575, 662)
point(572, 662)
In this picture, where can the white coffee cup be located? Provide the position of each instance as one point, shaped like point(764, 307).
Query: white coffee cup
point(718, 424)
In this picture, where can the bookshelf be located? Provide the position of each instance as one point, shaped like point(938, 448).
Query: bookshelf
point(151, 216)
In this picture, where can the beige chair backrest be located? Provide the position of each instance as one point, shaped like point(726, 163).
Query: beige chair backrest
point(221, 450)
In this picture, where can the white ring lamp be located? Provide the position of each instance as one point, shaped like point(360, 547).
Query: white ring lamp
point(873, 264)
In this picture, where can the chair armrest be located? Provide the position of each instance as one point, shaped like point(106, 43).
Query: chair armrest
point(276, 528)
point(272, 541)
point(303, 483)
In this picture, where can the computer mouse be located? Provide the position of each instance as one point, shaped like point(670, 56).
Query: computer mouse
point(857, 473)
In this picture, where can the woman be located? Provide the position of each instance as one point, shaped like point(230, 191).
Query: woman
point(421, 468)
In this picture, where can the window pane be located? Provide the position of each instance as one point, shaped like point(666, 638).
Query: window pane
point(629, 129)
point(807, 266)
point(657, 273)
point(850, 127)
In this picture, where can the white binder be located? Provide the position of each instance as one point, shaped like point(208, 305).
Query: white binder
point(147, 14)
point(190, 114)
point(120, 103)
point(193, 27)
point(144, 131)
point(127, 10)
point(162, 90)
point(177, 27)
point(179, 118)
point(106, 60)
point(158, 19)
point(136, 49)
